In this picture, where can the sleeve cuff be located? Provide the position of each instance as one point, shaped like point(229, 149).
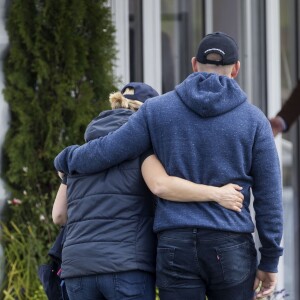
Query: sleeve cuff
point(269, 264)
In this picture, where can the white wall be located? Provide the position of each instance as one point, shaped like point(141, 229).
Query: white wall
point(120, 16)
point(152, 44)
point(274, 83)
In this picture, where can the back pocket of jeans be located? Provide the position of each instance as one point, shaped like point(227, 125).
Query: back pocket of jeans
point(74, 285)
point(131, 287)
point(236, 262)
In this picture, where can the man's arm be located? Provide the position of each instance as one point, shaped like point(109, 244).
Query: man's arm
point(278, 125)
point(267, 192)
point(290, 110)
point(288, 114)
point(177, 189)
point(128, 142)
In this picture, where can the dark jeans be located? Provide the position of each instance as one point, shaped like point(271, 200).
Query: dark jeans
point(133, 285)
point(192, 263)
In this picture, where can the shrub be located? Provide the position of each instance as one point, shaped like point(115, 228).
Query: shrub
point(58, 73)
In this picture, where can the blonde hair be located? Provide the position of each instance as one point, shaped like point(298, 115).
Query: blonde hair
point(117, 100)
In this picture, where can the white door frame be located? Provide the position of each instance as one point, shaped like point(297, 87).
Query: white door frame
point(120, 17)
point(152, 43)
point(274, 84)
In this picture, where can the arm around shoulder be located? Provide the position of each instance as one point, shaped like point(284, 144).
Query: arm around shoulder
point(127, 142)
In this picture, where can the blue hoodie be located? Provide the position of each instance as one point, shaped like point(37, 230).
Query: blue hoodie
point(207, 132)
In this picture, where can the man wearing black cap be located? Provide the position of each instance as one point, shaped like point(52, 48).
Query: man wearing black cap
point(207, 132)
point(218, 49)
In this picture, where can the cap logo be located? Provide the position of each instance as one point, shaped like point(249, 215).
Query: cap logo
point(214, 49)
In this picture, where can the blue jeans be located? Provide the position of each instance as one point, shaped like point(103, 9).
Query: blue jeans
point(192, 263)
point(137, 285)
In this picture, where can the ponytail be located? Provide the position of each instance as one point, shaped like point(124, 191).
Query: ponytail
point(117, 100)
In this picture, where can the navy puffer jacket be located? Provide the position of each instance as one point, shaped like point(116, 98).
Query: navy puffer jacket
point(110, 214)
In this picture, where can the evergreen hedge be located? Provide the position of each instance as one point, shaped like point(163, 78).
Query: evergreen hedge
point(58, 73)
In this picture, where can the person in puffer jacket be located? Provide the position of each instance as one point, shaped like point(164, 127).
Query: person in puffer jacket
point(110, 247)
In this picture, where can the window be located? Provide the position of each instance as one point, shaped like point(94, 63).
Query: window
point(182, 26)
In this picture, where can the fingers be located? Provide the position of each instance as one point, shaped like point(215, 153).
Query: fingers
point(235, 186)
point(267, 285)
point(256, 284)
point(236, 208)
point(234, 205)
point(239, 204)
point(265, 291)
point(240, 197)
point(236, 196)
point(231, 198)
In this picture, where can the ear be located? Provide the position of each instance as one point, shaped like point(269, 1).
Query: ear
point(235, 69)
point(194, 64)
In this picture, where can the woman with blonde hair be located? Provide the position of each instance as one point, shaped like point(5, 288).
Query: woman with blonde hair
point(109, 251)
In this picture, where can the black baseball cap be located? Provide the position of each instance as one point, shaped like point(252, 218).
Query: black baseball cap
point(142, 91)
point(219, 43)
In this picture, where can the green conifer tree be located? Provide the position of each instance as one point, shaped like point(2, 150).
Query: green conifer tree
point(59, 73)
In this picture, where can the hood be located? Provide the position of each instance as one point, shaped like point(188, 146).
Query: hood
point(209, 94)
point(107, 121)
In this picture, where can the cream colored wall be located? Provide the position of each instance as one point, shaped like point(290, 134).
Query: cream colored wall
point(274, 84)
